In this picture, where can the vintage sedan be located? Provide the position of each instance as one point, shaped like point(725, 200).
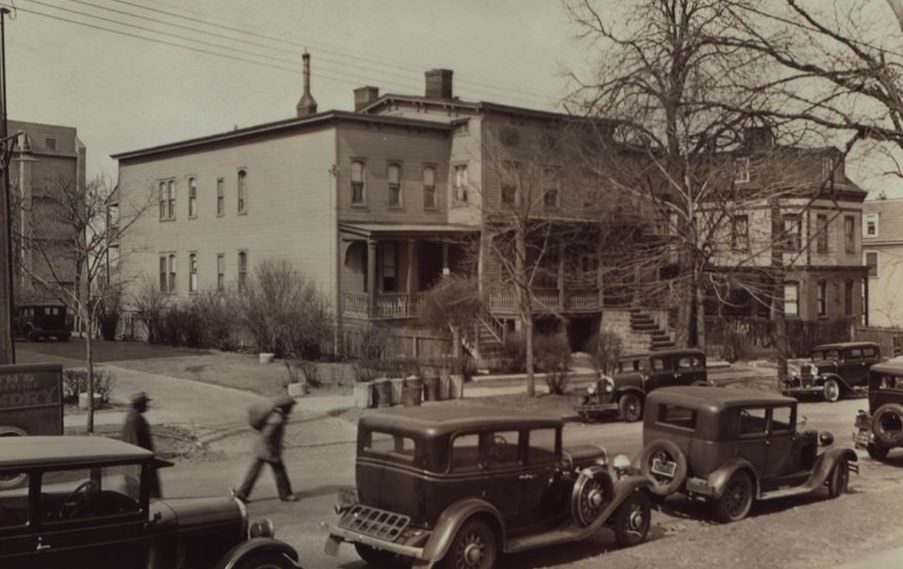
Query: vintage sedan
point(881, 429)
point(624, 393)
point(735, 446)
point(835, 370)
point(457, 486)
point(84, 503)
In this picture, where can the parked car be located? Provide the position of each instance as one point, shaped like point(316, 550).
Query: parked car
point(835, 370)
point(37, 321)
point(84, 503)
point(457, 486)
point(624, 393)
point(735, 446)
point(881, 429)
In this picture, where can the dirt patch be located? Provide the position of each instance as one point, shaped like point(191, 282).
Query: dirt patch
point(170, 442)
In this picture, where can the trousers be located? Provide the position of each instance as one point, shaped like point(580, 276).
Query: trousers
point(283, 486)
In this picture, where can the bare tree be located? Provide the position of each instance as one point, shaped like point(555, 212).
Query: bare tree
point(71, 238)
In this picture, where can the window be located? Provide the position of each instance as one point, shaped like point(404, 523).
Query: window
point(542, 447)
point(192, 197)
point(550, 193)
point(50, 143)
point(220, 197)
point(871, 224)
point(242, 271)
point(592, 198)
point(393, 174)
point(390, 446)
point(111, 491)
point(429, 187)
point(791, 232)
point(827, 168)
point(171, 199)
point(740, 233)
point(791, 299)
point(460, 182)
point(163, 273)
point(171, 265)
point(741, 170)
point(510, 182)
point(357, 183)
point(820, 290)
point(220, 272)
point(193, 272)
point(162, 200)
point(465, 455)
point(821, 229)
point(752, 422)
point(848, 298)
point(849, 233)
point(677, 416)
point(871, 261)
point(781, 419)
point(689, 362)
point(502, 448)
point(242, 191)
point(390, 269)
point(14, 503)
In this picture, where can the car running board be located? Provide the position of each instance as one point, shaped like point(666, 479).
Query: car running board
point(544, 539)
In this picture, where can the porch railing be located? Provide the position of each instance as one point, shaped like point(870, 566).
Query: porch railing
point(388, 305)
point(504, 301)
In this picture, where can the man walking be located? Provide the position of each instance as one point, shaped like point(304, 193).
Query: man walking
point(135, 430)
point(268, 450)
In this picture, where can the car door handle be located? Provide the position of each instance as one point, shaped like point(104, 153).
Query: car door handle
point(526, 477)
point(42, 547)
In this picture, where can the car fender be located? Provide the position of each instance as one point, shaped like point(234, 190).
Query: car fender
point(718, 479)
point(452, 519)
point(825, 462)
point(622, 389)
point(254, 546)
point(831, 375)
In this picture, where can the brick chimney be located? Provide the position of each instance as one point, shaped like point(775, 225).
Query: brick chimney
point(307, 105)
point(439, 84)
point(363, 96)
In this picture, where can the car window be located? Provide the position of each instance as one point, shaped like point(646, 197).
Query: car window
point(99, 492)
point(831, 354)
point(868, 353)
point(658, 364)
point(14, 501)
point(781, 419)
point(891, 382)
point(855, 353)
point(465, 454)
point(542, 446)
point(677, 416)
point(391, 446)
point(502, 448)
point(752, 421)
point(689, 362)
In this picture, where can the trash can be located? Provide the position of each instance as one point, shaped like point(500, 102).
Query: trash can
point(397, 384)
point(444, 385)
point(382, 393)
point(431, 388)
point(413, 392)
point(363, 391)
point(456, 386)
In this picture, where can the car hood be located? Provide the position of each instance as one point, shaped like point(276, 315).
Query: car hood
point(824, 365)
point(193, 512)
point(628, 378)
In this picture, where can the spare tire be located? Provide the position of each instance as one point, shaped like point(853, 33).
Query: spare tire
point(887, 424)
point(664, 455)
point(16, 479)
point(592, 493)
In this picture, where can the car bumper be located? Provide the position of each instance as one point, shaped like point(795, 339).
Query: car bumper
point(598, 408)
point(807, 390)
point(862, 436)
point(699, 487)
point(337, 535)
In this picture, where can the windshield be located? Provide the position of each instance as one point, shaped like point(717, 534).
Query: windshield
point(826, 355)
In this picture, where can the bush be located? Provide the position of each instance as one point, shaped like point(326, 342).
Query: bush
point(553, 357)
point(150, 305)
point(108, 314)
point(300, 371)
point(75, 381)
point(608, 350)
point(218, 321)
point(514, 353)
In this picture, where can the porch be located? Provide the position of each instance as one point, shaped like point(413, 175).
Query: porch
point(503, 302)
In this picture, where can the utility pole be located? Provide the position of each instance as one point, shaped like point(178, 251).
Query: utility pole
point(7, 299)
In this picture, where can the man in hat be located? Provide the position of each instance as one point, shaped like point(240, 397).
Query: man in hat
point(136, 431)
point(268, 450)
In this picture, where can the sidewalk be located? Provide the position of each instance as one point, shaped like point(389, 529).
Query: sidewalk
point(887, 559)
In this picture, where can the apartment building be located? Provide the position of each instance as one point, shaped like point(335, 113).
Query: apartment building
point(47, 163)
point(882, 253)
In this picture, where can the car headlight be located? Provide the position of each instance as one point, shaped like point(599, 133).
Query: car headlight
point(621, 463)
point(261, 528)
point(609, 385)
point(591, 390)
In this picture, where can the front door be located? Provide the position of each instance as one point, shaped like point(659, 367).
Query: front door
point(689, 369)
point(540, 504)
point(495, 469)
point(782, 460)
point(854, 368)
point(661, 372)
point(752, 437)
point(18, 544)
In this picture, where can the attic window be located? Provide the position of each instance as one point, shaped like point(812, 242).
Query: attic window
point(50, 143)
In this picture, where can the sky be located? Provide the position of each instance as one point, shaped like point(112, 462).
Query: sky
point(131, 74)
point(124, 93)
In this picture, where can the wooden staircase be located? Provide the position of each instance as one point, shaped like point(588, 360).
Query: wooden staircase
point(641, 322)
point(485, 343)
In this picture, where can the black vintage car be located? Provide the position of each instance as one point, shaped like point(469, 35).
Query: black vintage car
point(37, 321)
point(457, 486)
point(735, 446)
point(881, 429)
point(638, 375)
point(835, 370)
point(83, 502)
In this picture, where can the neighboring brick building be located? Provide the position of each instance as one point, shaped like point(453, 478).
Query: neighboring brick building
point(46, 160)
point(882, 252)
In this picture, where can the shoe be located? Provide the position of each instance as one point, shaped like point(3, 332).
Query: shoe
point(289, 498)
point(234, 493)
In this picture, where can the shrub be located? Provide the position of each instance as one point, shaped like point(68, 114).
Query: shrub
point(218, 321)
point(75, 381)
point(608, 349)
point(150, 304)
point(514, 353)
point(553, 356)
point(301, 371)
point(108, 314)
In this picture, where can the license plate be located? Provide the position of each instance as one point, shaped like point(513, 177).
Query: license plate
point(861, 439)
point(664, 468)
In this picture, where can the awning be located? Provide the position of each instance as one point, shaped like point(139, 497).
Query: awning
point(404, 230)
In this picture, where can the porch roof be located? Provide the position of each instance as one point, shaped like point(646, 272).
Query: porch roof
point(401, 230)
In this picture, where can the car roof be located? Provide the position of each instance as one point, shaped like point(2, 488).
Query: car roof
point(891, 367)
point(439, 420)
point(715, 398)
point(33, 451)
point(841, 345)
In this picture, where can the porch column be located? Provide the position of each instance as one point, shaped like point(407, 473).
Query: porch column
point(445, 269)
point(371, 277)
point(561, 295)
point(410, 282)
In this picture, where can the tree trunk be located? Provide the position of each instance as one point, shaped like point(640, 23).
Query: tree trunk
point(525, 306)
point(777, 302)
point(457, 351)
point(89, 357)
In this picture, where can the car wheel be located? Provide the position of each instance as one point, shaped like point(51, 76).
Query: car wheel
point(12, 480)
point(663, 463)
point(631, 407)
point(592, 493)
point(877, 452)
point(887, 424)
point(632, 520)
point(840, 478)
point(831, 390)
point(266, 560)
point(374, 557)
point(737, 499)
point(474, 547)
